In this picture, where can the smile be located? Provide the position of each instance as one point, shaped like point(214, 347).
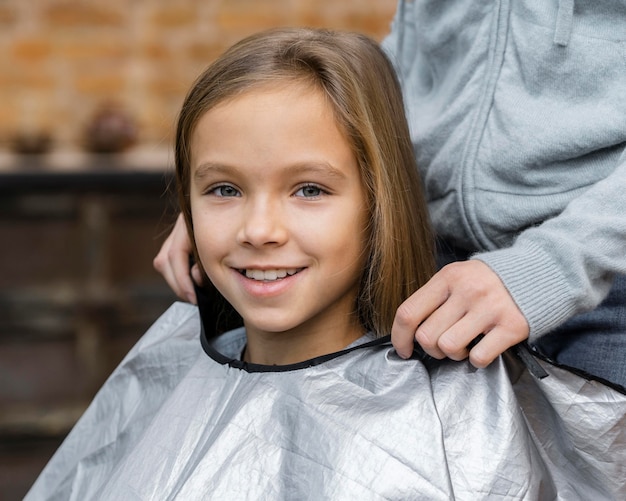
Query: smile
point(269, 275)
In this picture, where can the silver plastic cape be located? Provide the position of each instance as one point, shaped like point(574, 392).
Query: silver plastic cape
point(176, 421)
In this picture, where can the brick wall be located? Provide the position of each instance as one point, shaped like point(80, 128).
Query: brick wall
point(60, 59)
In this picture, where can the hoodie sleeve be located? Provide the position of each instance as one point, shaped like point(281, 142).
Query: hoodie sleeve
point(566, 265)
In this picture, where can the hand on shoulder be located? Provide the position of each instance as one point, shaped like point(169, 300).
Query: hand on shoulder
point(459, 303)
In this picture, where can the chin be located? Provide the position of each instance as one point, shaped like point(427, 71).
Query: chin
point(273, 328)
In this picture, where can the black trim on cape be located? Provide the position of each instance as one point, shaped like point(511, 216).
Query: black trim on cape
point(217, 316)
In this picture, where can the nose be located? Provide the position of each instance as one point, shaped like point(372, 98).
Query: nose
point(263, 223)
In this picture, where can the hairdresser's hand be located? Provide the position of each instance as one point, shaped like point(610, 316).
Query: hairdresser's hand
point(460, 302)
point(172, 262)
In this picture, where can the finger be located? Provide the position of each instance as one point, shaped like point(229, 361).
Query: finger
point(164, 268)
point(161, 263)
point(168, 264)
point(160, 260)
point(196, 275)
point(413, 312)
point(493, 344)
point(181, 275)
point(172, 261)
point(457, 341)
point(429, 333)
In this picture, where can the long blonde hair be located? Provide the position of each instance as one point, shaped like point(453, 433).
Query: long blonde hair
point(361, 85)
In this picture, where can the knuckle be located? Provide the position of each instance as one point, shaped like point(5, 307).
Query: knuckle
point(449, 272)
point(521, 321)
point(458, 356)
point(513, 331)
point(423, 337)
point(404, 315)
point(157, 263)
point(448, 345)
point(480, 359)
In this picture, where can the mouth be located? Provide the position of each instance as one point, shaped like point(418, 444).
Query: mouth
point(269, 275)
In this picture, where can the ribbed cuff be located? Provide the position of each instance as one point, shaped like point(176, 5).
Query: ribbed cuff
point(536, 284)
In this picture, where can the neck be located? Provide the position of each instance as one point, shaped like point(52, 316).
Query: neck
point(298, 345)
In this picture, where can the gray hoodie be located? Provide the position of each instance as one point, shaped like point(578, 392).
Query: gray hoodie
point(518, 117)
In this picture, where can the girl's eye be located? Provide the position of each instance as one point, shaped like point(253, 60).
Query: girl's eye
point(225, 191)
point(309, 191)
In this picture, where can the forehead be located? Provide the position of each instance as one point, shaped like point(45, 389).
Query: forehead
point(289, 86)
point(283, 121)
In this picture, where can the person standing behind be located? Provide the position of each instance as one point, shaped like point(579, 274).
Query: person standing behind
point(518, 119)
point(518, 116)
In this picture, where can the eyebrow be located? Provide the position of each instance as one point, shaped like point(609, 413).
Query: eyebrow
point(323, 168)
point(205, 168)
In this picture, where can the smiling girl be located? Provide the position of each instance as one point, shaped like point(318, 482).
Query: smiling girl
point(299, 189)
point(302, 198)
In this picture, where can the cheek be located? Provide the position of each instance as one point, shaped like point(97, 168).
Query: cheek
point(211, 252)
point(361, 236)
point(343, 235)
point(209, 235)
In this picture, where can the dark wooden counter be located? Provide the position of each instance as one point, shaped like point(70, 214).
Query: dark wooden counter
point(77, 288)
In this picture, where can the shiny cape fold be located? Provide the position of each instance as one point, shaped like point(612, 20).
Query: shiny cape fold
point(173, 423)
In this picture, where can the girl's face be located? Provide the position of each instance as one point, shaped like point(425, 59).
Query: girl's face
point(279, 213)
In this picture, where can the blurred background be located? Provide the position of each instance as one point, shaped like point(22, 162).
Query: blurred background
point(89, 93)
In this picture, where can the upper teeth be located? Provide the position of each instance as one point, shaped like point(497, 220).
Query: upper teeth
point(269, 274)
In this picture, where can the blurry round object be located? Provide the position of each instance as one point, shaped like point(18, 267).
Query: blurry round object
point(110, 130)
